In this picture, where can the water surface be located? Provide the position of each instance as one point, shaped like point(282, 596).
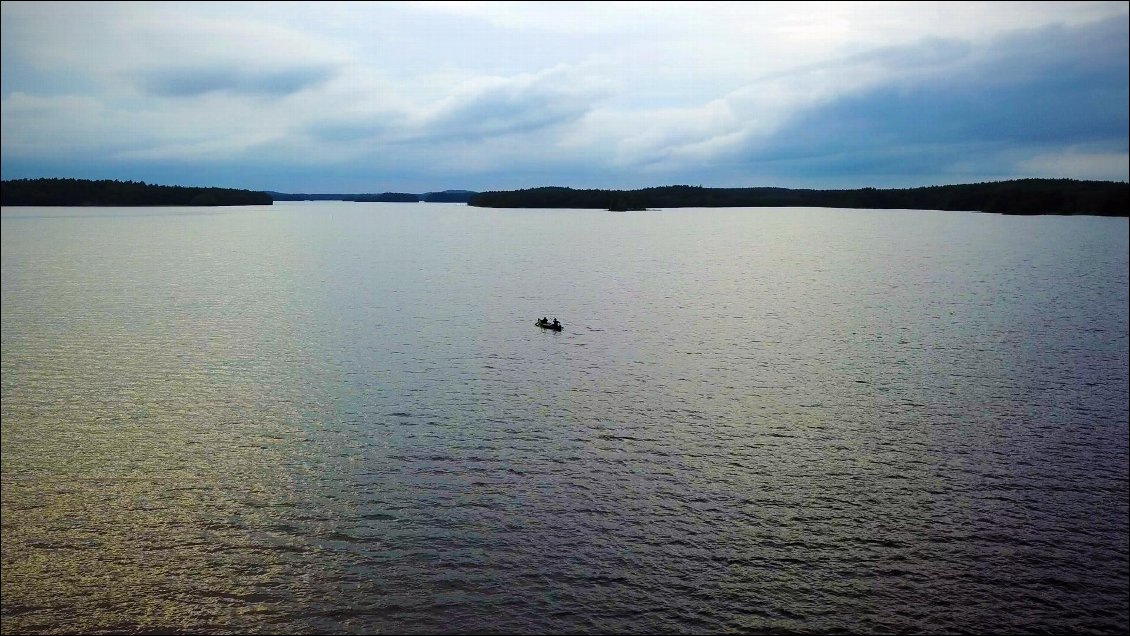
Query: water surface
point(339, 417)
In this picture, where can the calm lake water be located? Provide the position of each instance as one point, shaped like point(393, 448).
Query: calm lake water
point(340, 417)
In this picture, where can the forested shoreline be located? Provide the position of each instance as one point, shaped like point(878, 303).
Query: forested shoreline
point(83, 192)
point(1019, 197)
point(1023, 197)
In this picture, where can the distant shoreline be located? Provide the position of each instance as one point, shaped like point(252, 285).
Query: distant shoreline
point(1028, 197)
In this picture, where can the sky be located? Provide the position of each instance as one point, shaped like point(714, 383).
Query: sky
point(355, 97)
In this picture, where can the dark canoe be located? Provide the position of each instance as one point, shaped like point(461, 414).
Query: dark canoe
point(548, 325)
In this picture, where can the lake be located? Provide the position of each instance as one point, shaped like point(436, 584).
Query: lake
point(340, 417)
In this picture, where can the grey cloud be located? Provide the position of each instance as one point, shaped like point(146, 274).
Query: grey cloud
point(193, 82)
point(920, 56)
point(509, 108)
point(472, 112)
point(343, 131)
point(1033, 91)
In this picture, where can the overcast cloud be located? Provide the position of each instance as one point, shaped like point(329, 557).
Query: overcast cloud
point(415, 97)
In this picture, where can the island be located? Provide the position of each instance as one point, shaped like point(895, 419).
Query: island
point(83, 192)
point(1022, 196)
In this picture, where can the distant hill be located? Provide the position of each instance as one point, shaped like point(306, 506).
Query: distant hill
point(1024, 196)
point(385, 197)
point(82, 192)
point(301, 196)
point(447, 196)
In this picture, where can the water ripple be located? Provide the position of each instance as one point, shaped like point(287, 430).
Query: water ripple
point(756, 420)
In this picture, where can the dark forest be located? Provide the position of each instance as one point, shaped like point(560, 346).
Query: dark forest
point(1024, 196)
point(82, 192)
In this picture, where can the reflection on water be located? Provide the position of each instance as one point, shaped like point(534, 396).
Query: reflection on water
point(155, 415)
point(339, 418)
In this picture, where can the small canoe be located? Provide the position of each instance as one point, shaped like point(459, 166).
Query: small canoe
point(549, 325)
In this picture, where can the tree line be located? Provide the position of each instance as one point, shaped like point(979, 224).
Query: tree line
point(83, 192)
point(1022, 196)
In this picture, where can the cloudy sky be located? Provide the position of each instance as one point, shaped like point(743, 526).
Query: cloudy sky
point(423, 96)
